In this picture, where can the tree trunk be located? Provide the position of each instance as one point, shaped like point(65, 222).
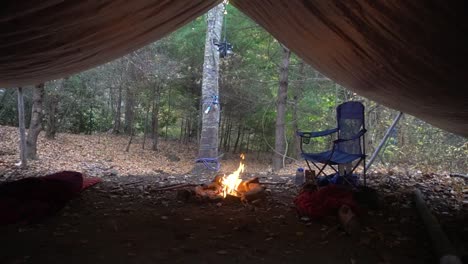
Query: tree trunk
point(223, 132)
point(51, 120)
point(129, 140)
point(239, 132)
point(182, 130)
point(168, 109)
point(188, 121)
point(248, 142)
point(22, 129)
point(145, 131)
point(52, 104)
point(297, 94)
point(118, 112)
point(280, 140)
point(155, 118)
point(129, 110)
point(241, 144)
point(222, 127)
point(35, 126)
point(110, 102)
point(91, 109)
point(208, 147)
point(227, 141)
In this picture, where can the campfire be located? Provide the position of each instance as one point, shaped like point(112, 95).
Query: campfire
point(229, 184)
point(228, 187)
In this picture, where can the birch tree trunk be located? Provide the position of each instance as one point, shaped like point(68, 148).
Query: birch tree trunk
point(280, 139)
point(35, 126)
point(22, 129)
point(208, 147)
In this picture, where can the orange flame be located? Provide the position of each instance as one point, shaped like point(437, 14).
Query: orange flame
point(232, 181)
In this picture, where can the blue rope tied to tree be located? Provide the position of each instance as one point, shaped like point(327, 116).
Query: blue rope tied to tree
point(208, 162)
point(211, 103)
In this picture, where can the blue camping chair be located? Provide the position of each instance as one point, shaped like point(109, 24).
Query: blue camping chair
point(349, 146)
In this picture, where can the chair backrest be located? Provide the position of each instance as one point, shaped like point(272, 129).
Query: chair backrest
point(350, 118)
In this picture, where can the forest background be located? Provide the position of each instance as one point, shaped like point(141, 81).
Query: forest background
point(153, 94)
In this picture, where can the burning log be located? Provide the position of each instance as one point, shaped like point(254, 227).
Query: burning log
point(210, 191)
point(246, 191)
point(251, 190)
point(230, 187)
point(254, 194)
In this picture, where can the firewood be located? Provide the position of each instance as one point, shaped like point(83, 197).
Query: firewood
point(255, 193)
point(231, 199)
point(207, 193)
point(175, 186)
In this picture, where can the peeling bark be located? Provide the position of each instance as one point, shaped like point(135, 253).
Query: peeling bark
point(208, 147)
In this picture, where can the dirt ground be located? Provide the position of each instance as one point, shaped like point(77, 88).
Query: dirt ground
point(125, 219)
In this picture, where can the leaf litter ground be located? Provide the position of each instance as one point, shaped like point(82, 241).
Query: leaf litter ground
point(125, 219)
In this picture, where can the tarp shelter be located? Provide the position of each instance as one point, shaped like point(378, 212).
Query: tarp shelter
point(408, 55)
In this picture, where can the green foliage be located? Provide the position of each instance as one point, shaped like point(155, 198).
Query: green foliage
point(168, 73)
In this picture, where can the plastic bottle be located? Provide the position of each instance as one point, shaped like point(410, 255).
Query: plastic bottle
point(299, 180)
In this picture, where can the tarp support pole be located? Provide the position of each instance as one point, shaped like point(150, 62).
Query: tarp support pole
point(384, 139)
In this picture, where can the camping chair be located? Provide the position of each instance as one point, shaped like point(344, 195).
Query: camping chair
point(349, 145)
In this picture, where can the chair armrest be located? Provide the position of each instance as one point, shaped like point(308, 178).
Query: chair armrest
point(358, 135)
point(316, 134)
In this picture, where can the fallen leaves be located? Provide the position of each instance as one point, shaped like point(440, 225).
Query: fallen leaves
point(104, 155)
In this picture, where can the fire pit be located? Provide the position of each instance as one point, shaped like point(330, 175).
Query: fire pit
point(230, 187)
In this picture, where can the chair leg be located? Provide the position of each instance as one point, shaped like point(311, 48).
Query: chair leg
point(320, 169)
point(308, 165)
point(323, 168)
point(357, 164)
point(364, 172)
point(351, 173)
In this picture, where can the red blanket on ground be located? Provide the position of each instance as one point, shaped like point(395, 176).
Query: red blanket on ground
point(325, 201)
point(31, 199)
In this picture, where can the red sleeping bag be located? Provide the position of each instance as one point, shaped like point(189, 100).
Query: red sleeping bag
point(325, 201)
point(31, 199)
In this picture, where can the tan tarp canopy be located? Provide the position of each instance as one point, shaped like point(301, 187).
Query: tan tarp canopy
point(408, 55)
